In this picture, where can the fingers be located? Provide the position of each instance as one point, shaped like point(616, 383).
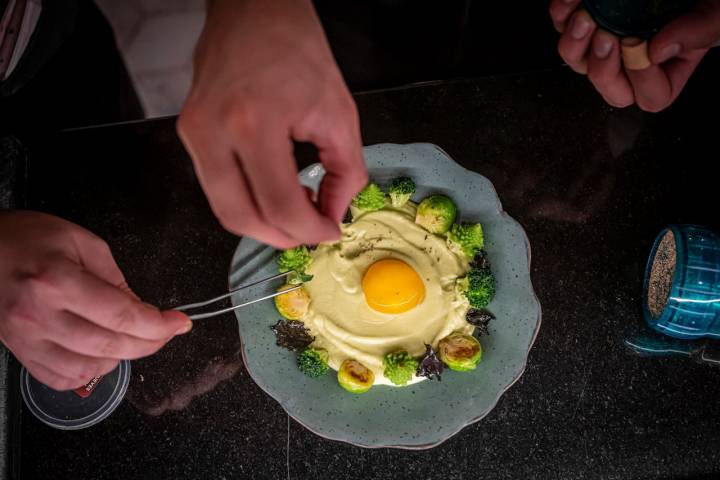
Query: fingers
point(226, 187)
point(48, 377)
point(67, 286)
point(345, 176)
point(340, 149)
point(606, 72)
point(560, 11)
point(83, 337)
point(678, 70)
point(656, 87)
point(63, 370)
point(574, 42)
point(651, 88)
point(268, 162)
point(96, 257)
point(698, 29)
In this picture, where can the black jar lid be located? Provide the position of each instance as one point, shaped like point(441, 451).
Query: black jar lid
point(636, 18)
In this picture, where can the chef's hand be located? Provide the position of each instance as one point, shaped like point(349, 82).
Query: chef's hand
point(264, 76)
point(674, 52)
point(65, 309)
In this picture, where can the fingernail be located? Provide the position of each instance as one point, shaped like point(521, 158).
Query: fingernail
point(185, 328)
point(668, 52)
point(602, 46)
point(581, 27)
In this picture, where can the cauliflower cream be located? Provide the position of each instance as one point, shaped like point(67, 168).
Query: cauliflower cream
point(339, 315)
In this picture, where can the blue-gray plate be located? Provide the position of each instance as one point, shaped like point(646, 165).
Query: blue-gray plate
point(425, 414)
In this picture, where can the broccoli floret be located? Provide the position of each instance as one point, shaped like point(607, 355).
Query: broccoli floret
point(370, 198)
point(401, 189)
point(399, 367)
point(313, 362)
point(468, 237)
point(296, 259)
point(478, 287)
point(436, 214)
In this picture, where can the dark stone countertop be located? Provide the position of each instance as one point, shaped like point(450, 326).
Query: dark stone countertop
point(591, 185)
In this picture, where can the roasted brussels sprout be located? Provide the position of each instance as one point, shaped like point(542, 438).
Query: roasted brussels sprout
point(355, 377)
point(292, 305)
point(436, 214)
point(460, 352)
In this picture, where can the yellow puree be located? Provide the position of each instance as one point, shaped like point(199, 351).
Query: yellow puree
point(339, 316)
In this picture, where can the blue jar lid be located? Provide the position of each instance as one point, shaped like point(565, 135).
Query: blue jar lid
point(79, 408)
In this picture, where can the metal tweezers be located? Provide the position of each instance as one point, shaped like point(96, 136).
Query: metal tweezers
point(200, 316)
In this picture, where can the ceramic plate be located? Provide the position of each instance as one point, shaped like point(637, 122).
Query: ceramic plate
point(425, 414)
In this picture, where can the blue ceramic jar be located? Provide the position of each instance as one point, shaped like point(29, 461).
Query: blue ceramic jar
point(690, 303)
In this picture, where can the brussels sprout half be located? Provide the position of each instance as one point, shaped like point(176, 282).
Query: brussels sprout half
point(292, 305)
point(460, 352)
point(355, 377)
point(436, 214)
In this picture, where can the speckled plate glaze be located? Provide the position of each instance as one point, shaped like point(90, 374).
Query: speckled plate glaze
point(425, 414)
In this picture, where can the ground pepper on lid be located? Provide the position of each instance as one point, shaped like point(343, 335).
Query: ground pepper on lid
point(661, 275)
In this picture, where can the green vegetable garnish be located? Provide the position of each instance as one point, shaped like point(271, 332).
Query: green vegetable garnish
point(480, 319)
point(355, 377)
point(370, 198)
point(460, 352)
point(400, 191)
point(430, 365)
point(478, 287)
point(468, 237)
point(436, 214)
point(292, 305)
point(296, 259)
point(399, 367)
point(313, 362)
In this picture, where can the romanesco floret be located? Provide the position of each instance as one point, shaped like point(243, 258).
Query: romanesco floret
point(296, 259)
point(370, 198)
point(399, 367)
point(468, 237)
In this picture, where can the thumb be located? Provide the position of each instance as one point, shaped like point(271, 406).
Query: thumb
point(698, 29)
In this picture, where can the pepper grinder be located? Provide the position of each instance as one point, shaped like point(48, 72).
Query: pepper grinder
point(681, 296)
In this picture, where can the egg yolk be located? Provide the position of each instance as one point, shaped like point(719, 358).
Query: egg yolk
point(392, 286)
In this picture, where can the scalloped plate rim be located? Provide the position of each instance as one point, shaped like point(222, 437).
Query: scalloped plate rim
point(417, 447)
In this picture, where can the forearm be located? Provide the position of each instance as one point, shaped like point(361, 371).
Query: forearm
point(260, 31)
